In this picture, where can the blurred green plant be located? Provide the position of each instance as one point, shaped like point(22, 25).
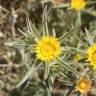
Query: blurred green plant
point(60, 76)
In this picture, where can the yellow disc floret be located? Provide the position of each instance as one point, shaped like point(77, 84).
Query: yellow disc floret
point(83, 85)
point(48, 48)
point(91, 52)
point(78, 4)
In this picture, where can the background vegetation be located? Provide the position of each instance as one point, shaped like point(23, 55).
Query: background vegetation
point(20, 73)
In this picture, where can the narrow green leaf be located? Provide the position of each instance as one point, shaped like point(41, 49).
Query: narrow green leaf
point(69, 68)
point(67, 33)
point(89, 37)
point(90, 11)
point(64, 5)
point(29, 74)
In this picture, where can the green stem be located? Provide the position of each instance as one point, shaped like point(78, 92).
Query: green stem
point(79, 17)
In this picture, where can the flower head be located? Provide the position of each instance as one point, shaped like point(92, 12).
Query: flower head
point(48, 48)
point(91, 52)
point(83, 85)
point(78, 4)
point(76, 57)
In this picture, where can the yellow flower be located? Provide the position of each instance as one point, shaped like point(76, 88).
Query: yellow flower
point(48, 48)
point(78, 4)
point(76, 57)
point(83, 85)
point(91, 52)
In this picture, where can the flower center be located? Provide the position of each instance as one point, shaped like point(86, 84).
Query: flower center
point(78, 4)
point(83, 85)
point(48, 49)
